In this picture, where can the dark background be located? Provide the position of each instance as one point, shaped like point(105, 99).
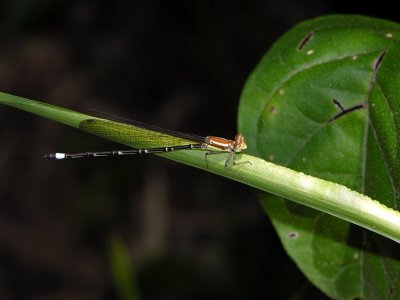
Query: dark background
point(177, 64)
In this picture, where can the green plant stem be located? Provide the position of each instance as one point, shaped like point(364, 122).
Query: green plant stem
point(329, 197)
point(326, 196)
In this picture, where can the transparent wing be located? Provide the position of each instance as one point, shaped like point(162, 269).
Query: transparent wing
point(137, 136)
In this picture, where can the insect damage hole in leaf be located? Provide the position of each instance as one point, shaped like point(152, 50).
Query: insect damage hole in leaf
point(344, 111)
point(305, 40)
point(378, 61)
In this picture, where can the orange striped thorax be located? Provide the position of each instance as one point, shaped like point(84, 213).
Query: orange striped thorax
point(237, 145)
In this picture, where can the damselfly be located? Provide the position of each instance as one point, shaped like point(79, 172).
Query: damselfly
point(151, 139)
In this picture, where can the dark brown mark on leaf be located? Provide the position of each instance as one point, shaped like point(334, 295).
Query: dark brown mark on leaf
point(293, 235)
point(378, 61)
point(305, 40)
point(345, 111)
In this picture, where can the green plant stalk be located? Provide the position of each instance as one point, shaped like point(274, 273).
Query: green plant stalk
point(329, 197)
point(326, 196)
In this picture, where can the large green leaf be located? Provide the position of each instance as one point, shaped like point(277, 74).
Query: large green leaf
point(289, 116)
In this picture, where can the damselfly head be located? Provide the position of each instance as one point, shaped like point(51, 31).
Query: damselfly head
point(240, 144)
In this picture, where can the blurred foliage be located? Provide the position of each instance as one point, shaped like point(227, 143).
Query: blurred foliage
point(123, 270)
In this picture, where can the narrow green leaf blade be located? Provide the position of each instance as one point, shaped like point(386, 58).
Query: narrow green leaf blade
point(52, 112)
